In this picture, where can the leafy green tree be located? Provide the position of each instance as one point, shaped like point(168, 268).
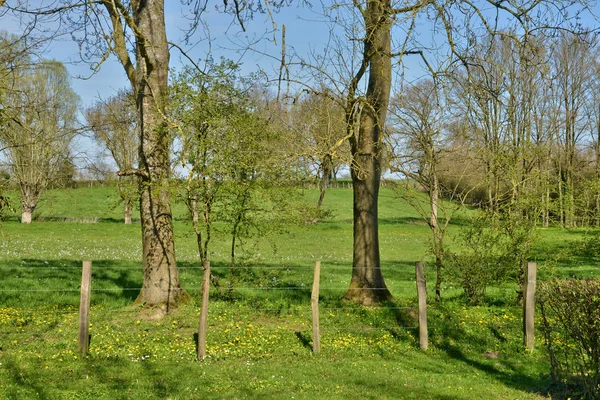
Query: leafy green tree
point(231, 172)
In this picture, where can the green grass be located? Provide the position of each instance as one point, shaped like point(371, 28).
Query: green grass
point(259, 337)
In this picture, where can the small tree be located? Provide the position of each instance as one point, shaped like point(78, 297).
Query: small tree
point(494, 248)
point(39, 130)
point(225, 151)
point(420, 118)
point(114, 124)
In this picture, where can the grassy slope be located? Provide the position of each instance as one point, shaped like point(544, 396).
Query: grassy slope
point(259, 344)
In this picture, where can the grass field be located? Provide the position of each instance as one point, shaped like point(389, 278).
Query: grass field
point(259, 338)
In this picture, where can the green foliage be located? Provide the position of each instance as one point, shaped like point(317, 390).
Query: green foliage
point(571, 321)
point(235, 182)
point(494, 248)
point(589, 245)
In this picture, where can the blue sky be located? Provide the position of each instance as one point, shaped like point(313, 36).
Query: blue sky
point(226, 40)
point(304, 32)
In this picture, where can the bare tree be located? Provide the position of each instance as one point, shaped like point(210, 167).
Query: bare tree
point(574, 72)
point(114, 125)
point(318, 134)
point(420, 116)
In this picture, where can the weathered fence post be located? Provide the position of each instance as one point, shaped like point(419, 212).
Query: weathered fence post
point(422, 299)
point(314, 300)
point(529, 304)
point(204, 311)
point(84, 307)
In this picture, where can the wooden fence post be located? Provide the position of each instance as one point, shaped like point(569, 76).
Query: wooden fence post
point(84, 307)
point(204, 311)
point(314, 300)
point(529, 304)
point(422, 299)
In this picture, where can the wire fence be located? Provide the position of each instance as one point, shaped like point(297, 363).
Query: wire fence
point(292, 309)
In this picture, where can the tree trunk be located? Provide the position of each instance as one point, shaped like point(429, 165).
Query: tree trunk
point(438, 245)
point(325, 177)
point(26, 216)
point(547, 205)
point(161, 285)
point(367, 285)
point(128, 211)
point(29, 199)
point(194, 208)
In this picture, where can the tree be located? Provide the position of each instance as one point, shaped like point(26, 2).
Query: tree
point(38, 130)
point(135, 32)
point(574, 72)
point(231, 173)
point(365, 127)
point(205, 107)
point(114, 124)
point(420, 117)
point(318, 134)
point(366, 83)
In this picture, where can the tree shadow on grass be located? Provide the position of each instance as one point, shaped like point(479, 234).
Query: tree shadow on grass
point(259, 281)
point(495, 365)
point(37, 283)
point(514, 378)
point(24, 380)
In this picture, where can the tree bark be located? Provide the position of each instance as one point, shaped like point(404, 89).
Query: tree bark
point(367, 285)
point(193, 198)
point(161, 285)
point(127, 212)
point(438, 237)
point(26, 216)
point(327, 167)
point(29, 200)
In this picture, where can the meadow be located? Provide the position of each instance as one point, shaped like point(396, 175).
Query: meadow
point(259, 335)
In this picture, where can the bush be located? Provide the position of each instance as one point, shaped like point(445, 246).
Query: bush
point(589, 246)
point(571, 325)
point(495, 248)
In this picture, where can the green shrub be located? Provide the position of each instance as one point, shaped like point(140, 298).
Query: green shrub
point(589, 246)
point(494, 249)
point(571, 324)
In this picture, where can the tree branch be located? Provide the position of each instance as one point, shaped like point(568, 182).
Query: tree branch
point(119, 41)
point(196, 66)
point(133, 172)
point(412, 8)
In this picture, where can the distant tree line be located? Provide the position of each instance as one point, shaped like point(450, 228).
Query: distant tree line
point(519, 130)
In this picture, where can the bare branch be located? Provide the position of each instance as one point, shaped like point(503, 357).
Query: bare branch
point(133, 172)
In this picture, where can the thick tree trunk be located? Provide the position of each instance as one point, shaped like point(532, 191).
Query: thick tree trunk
point(161, 285)
point(367, 285)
